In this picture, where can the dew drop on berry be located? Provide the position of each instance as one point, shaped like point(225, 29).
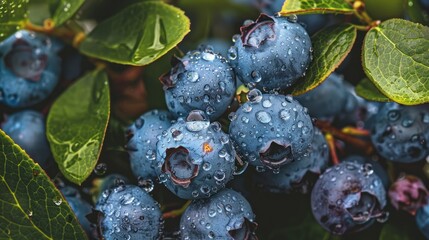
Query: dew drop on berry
point(254, 96)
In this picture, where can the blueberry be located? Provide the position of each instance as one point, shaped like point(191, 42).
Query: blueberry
point(370, 165)
point(109, 182)
point(226, 215)
point(401, 133)
point(27, 129)
point(270, 130)
point(143, 136)
point(29, 69)
point(128, 212)
point(80, 207)
point(331, 92)
point(348, 198)
point(195, 158)
point(422, 220)
point(300, 174)
point(271, 53)
point(408, 193)
point(201, 80)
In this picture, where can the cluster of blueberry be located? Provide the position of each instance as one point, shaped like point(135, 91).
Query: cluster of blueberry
point(196, 157)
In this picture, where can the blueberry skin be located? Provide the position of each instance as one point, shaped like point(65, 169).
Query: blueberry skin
point(143, 135)
point(376, 166)
point(422, 220)
point(271, 53)
point(195, 158)
point(348, 198)
point(331, 92)
point(109, 182)
point(293, 177)
point(27, 129)
point(201, 80)
point(80, 207)
point(401, 133)
point(270, 130)
point(225, 215)
point(29, 68)
point(129, 213)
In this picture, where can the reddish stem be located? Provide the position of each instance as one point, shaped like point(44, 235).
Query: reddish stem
point(331, 143)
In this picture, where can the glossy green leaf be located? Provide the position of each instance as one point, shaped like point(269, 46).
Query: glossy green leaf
point(77, 124)
point(396, 59)
point(58, 11)
point(390, 232)
point(316, 6)
point(330, 47)
point(369, 91)
point(137, 35)
point(30, 205)
point(13, 14)
point(64, 10)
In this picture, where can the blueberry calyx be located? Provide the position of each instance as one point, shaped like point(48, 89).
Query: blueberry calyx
point(23, 61)
point(179, 165)
point(275, 154)
point(245, 231)
point(256, 33)
point(167, 79)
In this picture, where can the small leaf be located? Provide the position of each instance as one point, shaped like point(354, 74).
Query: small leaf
point(369, 91)
point(331, 46)
point(13, 14)
point(64, 10)
point(396, 59)
point(316, 6)
point(31, 207)
point(138, 35)
point(390, 232)
point(77, 124)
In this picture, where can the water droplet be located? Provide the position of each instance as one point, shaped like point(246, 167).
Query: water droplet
point(100, 169)
point(367, 169)
point(425, 118)
point(146, 184)
point(254, 96)
point(292, 18)
point(266, 103)
point(207, 166)
point(235, 37)
point(256, 76)
point(263, 117)
point(208, 55)
point(58, 201)
point(219, 175)
point(192, 76)
point(393, 115)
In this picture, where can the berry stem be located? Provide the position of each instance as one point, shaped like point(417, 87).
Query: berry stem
point(331, 143)
point(355, 131)
point(177, 212)
point(359, 143)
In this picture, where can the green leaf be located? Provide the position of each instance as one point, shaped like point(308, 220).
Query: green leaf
point(13, 14)
point(57, 11)
point(30, 205)
point(396, 59)
point(137, 35)
point(330, 47)
point(316, 6)
point(369, 91)
point(77, 124)
point(390, 232)
point(64, 10)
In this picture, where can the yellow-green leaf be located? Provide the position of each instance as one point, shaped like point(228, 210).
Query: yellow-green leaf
point(396, 59)
point(13, 14)
point(369, 91)
point(77, 124)
point(316, 6)
point(330, 48)
point(30, 205)
point(137, 35)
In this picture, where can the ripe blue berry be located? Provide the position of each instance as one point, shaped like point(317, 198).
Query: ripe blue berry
point(79, 206)
point(348, 198)
point(422, 220)
point(201, 80)
point(27, 129)
point(143, 135)
point(298, 175)
point(376, 166)
point(128, 212)
point(271, 53)
point(270, 130)
point(226, 215)
point(195, 158)
point(401, 133)
point(29, 69)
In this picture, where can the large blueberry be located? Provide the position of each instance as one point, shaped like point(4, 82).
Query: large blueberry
point(270, 130)
point(27, 129)
point(201, 80)
point(422, 220)
point(271, 53)
point(226, 215)
point(143, 135)
point(195, 158)
point(129, 212)
point(401, 133)
point(29, 68)
point(348, 198)
point(301, 173)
